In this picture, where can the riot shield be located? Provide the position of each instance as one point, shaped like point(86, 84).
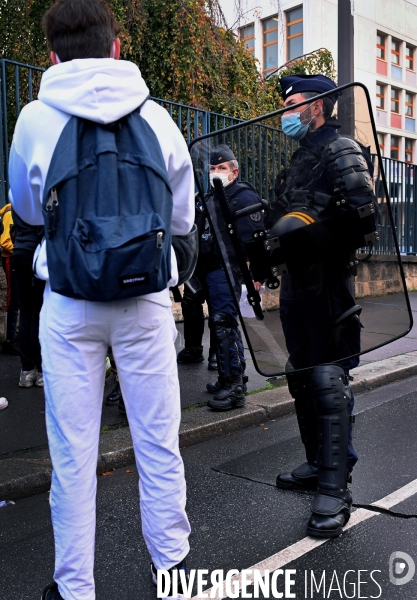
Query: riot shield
point(325, 251)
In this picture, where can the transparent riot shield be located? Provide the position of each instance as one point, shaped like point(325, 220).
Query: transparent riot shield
point(325, 251)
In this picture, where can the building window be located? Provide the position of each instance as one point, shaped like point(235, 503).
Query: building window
point(395, 52)
point(381, 142)
point(395, 146)
point(409, 57)
point(380, 46)
point(380, 96)
point(270, 39)
point(409, 104)
point(247, 36)
point(294, 33)
point(409, 151)
point(395, 100)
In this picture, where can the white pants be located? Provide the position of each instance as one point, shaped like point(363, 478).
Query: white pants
point(74, 337)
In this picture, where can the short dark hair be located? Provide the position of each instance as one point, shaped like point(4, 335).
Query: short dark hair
point(80, 29)
point(328, 105)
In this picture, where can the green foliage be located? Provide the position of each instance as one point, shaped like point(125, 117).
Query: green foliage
point(181, 47)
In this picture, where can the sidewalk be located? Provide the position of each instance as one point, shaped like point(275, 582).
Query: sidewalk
point(25, 467)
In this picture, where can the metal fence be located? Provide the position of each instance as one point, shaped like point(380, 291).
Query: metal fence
point(19, 84)
point(262, 151)
point(401, 180)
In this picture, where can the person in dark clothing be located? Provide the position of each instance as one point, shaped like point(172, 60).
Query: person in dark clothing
point(192, 302)
point(230, 388)
point(30, 290)
point(314, 300)
point(12, 300)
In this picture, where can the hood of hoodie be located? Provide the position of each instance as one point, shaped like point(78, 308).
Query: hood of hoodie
point(98, 89)
point(4, 209)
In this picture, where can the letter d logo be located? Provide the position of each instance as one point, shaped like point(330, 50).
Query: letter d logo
point(398, 574)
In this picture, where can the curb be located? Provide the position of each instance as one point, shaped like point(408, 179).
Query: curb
point(30, 473)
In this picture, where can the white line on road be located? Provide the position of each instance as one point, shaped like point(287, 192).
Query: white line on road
point(295, 551)
point(396, 497)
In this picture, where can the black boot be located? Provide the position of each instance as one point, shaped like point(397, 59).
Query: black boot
point(333, 500)
point(230, 395)
point(191, 355)
point(303, 477)
point(231, 388)
point(114, 396)
point(330, 514)
point(51, 592)
point(213, 388)
point(212, 360)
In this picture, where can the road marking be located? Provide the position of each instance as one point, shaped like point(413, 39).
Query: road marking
point(396, 497)
point(307, 544)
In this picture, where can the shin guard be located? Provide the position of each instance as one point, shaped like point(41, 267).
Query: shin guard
point(331, 506)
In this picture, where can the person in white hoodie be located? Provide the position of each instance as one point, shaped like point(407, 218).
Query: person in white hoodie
point(87, 80)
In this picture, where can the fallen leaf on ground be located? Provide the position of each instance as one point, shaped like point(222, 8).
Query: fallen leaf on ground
point(106, 473)
point(129, 471)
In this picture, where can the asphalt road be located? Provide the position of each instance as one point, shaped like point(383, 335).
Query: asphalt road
point(240, 518)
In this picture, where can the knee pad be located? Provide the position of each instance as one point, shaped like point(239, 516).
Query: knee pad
point(221, 324)
point(330, 387)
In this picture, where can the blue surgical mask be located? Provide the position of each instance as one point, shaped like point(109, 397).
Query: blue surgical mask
point(292, 126)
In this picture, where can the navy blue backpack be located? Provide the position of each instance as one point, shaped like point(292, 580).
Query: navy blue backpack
point(107, 207)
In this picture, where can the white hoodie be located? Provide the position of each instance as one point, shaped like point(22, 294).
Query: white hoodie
point(101, 90)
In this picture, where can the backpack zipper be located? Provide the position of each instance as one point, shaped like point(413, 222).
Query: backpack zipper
point(51, 207)
point(159, 245)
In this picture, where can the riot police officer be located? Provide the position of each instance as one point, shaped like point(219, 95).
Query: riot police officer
point(317, 305)
point(230, 388)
